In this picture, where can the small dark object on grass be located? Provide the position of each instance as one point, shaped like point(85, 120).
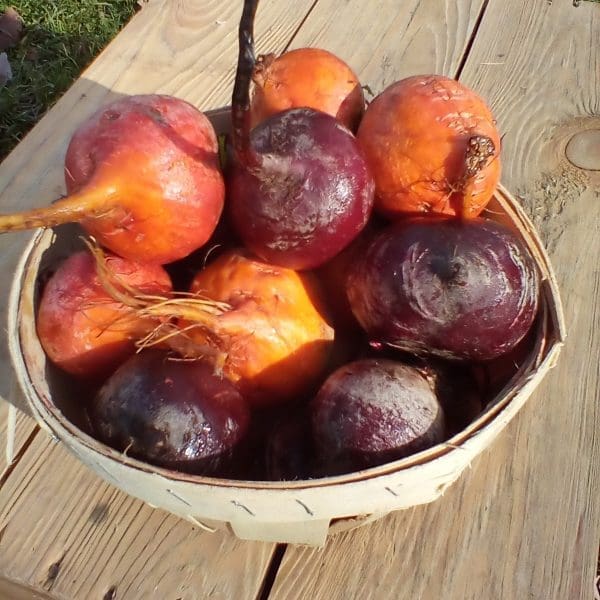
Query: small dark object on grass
point(11, 28)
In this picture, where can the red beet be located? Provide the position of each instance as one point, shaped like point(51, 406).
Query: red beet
point(333, 275)
point(448, 287)
point(299, 187)
point(170, 413)
point(143, 177)
point(289, 453)
point(373, 411)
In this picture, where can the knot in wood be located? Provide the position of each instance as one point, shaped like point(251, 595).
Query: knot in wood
point(583, 150)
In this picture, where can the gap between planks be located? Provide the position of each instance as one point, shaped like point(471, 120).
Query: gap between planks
point(469, 45)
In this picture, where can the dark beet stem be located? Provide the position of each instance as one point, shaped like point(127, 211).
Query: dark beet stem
point(240, 103)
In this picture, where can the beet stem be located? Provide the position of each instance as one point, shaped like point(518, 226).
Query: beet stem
point(79, 205)
point(480, 152)
point(240, 103)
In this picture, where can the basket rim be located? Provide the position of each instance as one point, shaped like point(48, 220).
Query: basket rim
point(51, 418)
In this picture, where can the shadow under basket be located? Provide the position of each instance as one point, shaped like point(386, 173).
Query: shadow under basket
point(299, 511)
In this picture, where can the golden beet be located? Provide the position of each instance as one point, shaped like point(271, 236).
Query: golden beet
point(143, 177)
point(275, 339)
point(307, 78)
point(81, 327)
point(432, 146)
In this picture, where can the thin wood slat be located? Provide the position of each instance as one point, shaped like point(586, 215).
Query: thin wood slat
point(525, 521)
point(16, 431)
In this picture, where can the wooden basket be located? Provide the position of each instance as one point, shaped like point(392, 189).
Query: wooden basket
point(300, 511)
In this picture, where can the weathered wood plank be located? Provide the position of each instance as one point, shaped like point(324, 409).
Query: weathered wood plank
point(396, 40)
point(12, 590)
point(524, 522)
point(69, 535)
point(16, 431)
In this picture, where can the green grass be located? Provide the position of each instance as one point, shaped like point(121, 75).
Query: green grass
point(61, 38)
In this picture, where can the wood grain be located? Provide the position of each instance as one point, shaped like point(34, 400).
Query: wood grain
point(398, 40)
point(69, 535)
point(525, 521)
point(15, 591)
point(11, 449)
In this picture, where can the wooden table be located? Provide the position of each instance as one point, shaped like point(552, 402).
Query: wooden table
point(524, 521)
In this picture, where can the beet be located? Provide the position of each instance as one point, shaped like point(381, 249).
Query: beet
point(461, 289)
point(306, 78)
point(299, 189)
point(372, 411)
point(142, 177)
point(433, 147)
point(170, 413)
point(83, 330)
point(274, 339)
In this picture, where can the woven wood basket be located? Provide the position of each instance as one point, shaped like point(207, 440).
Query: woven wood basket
point(300, 511)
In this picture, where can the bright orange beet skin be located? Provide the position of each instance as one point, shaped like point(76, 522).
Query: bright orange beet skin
point(307, 78)
point(158, 156)
point(276, 339)
point(81, 328)
point(415, 136)
point(143, 177)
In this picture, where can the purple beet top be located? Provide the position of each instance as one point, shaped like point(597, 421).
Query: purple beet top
point(309, 197)
point(447, 287)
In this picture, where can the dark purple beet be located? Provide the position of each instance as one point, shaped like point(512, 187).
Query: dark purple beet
point(289, 453)
point(443, 286)
point(458, 389)
point(299, 189)
point(170, 413)
point(310, 197)
point(373, 411)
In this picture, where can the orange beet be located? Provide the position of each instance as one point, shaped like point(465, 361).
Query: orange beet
point(81, 328)
point(275, 339)
point(306, 78)
point(432, 146)
point(143, 177)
